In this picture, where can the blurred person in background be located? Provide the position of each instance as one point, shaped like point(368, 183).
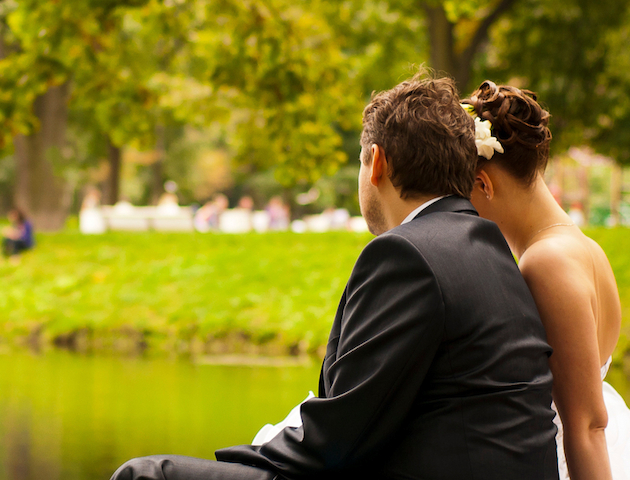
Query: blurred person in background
point(278, 213)
point(91, 220)
point(246, 203)
point(207, 217)
point(18, 237)
point(576, 212)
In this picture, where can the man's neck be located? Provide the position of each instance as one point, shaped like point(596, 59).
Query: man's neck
point(400, 209)
point(414, 213)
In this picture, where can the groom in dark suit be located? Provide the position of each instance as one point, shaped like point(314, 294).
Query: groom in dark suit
point(436, 366)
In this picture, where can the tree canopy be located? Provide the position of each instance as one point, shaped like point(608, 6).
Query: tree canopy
point(573, 53)
point(283, 82)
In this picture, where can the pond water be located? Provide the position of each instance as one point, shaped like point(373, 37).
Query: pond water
point(71, 417)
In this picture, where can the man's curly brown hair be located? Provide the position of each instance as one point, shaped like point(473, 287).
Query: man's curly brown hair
point(427, 137)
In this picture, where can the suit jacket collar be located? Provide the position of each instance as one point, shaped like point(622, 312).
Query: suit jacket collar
point(451, 203)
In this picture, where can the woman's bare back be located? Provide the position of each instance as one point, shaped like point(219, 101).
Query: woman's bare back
point(607, 307)
point(573, 257)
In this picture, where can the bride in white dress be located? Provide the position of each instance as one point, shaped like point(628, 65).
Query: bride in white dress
point(568, 274)
point(617, 432)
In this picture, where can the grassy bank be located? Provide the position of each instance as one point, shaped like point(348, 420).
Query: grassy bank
point(273, 293)
point(178, 291)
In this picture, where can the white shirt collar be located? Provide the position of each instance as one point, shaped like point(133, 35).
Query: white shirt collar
point(416, 211)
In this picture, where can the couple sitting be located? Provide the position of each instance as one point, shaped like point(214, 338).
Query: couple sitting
point(438, 363)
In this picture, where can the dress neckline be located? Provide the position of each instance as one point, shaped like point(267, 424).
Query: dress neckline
point(606, 366)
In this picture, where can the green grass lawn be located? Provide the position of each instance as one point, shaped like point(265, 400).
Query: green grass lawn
point(180, 288)
point(616, 244)
point(194, 292)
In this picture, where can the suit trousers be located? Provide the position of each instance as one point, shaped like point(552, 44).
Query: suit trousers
point(177, 467)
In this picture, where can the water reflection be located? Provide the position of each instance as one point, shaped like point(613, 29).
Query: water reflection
point(68, 417)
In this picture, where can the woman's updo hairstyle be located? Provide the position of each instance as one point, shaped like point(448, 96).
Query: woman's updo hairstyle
point(519, 123)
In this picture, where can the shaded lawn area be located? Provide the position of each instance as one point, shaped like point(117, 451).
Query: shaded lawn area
point(199, 292)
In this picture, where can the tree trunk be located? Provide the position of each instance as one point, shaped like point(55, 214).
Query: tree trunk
point(441, 40)
point(112, 183)
point(40, 190)
point(444, 58)
point(157, 168)
point(3, 52)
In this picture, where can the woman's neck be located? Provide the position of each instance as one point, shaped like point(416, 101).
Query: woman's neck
point(528, 212)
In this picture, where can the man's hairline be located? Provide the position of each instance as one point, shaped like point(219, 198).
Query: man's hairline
point(413, 195)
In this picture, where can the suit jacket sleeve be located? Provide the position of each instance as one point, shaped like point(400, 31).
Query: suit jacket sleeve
point(391, 328)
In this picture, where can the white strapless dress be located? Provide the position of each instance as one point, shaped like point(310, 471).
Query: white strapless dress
point(617, 433)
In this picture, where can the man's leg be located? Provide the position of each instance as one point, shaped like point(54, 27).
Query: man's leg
point(176, 467)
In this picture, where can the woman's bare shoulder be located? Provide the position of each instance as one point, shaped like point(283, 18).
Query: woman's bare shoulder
point(558, 256)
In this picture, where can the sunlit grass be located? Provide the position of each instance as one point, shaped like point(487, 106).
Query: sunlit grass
point(616, 244)
point(279, 286)
point(179, 290)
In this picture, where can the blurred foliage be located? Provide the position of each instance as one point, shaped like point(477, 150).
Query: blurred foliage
point(47, 44)
point(199, 162)
point(278, 85)
point(573, 53)
point(271, 70)
point(332, 191)
point(7, 174)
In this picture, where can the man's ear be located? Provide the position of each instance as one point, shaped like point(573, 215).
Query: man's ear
point(484, 183)
point(378, 166)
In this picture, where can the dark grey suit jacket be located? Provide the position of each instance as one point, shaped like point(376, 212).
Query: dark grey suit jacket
point(436, 366)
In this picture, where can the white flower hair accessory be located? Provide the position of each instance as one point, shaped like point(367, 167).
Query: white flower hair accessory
point(486, 143)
